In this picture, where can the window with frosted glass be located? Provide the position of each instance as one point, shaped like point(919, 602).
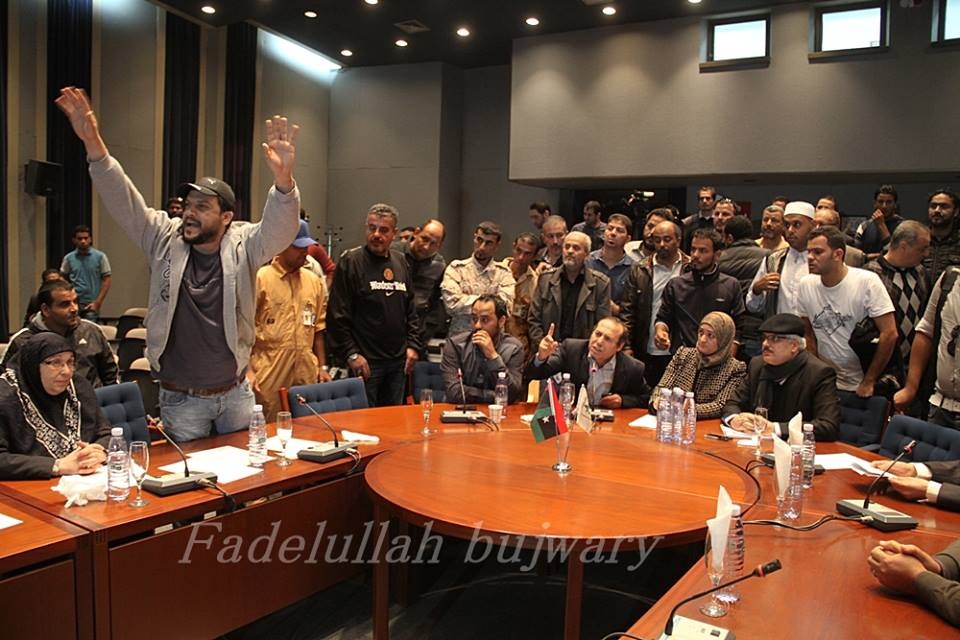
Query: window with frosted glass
point(738, 40)
point(856, 28)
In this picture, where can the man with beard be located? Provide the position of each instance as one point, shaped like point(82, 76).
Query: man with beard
point(642, 294)
point(572, 297)
point(695, 293)
point(203, 269)
point(59, 313)
point(873, 235)
point(785, 379)
point(942, 207)
point(643, 248)
point(771, 229)
point(466, 280)
point(426, 269)
point(552, 233)
point(520, 263)
point(703, 219)
point(826, 217)
point(774, 288)
point(611, 260)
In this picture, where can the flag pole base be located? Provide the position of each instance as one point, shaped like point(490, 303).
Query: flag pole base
point(563, 468)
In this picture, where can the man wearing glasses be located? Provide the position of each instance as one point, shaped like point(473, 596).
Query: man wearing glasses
point(785, 379)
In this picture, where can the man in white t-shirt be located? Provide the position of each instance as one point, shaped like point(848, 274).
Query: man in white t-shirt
point(832, 299)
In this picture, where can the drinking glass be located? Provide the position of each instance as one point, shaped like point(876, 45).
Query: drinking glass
point(426, 405)
point(139, 461)
point(716, 608)
point(284, 434)
point(496, 414)
point(758, 428)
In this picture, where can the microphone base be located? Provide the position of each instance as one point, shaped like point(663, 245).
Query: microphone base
point(884, 518)
point(458, 416)
point(325, 452)
point(690, 629)
point(176, 482)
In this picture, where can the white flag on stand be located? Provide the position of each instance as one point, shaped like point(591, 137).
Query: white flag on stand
point(582, 411)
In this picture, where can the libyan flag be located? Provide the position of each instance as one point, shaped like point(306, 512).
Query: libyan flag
point(548, 420)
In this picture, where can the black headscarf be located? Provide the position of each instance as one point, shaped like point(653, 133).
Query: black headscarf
point(42, 410)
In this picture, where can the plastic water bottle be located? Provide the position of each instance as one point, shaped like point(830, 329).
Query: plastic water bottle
point(257, 438)
point(501, 393)
point(733, 558)
point(689, 430)
point(665, 416)
point(118, 466)
point(790, 506)
point(809, 455)
point(678, 397)
point(567, 394)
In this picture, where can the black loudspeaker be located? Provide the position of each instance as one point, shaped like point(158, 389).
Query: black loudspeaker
point(43, 178)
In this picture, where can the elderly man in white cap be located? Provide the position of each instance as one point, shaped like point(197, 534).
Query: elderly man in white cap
point(774, 288)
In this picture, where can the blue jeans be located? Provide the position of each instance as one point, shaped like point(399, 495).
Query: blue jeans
point(386, 383)
point(187, 417)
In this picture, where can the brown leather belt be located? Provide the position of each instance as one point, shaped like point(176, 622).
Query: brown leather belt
point(201, 392)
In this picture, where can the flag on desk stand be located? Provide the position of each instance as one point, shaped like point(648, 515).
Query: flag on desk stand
point(548, 420)
point(582, 413)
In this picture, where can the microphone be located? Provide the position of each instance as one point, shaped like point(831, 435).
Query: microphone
point(175, 483)
point(463, 394)
point(321, 452)
point(760, 571)
point(880, 517)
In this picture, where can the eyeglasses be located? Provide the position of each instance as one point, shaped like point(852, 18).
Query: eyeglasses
point(60, 364)
point(775, 337)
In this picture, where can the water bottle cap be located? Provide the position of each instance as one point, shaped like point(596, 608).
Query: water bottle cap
point(503, 374)
point(116, 431)
point(667, 393)
point(566, 376)
point(689, 394)
point(735, 510)
point(808, 427)
point(257, 407)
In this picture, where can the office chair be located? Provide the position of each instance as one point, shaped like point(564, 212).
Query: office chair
point(933, 441)
point(325, 397)
point(122, 405)
point(862, 419)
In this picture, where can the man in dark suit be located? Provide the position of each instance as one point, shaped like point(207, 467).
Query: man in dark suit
point(613, 379)
point(786, 379)
point(937, 482)
point(934, 580)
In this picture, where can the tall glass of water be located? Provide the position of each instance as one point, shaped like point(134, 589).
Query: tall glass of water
point(426, 406)
point(284, 435)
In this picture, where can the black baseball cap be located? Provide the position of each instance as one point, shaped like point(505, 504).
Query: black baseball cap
point(210, 187)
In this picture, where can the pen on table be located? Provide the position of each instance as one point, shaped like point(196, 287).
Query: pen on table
point(717, 436)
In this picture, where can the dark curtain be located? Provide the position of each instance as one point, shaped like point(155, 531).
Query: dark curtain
point(68, 63)
point(238, 112)
point(4, 238)
point(181, 98)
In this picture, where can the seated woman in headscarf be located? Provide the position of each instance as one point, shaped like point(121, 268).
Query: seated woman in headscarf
point(709, 370)
point(50, 423)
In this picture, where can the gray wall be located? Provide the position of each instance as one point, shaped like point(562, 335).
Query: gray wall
point(631, 101)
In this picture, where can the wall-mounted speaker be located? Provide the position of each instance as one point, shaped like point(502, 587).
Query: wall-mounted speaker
point(43, 178)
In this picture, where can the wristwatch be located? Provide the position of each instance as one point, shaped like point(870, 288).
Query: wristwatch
point(55, 471)
point(352, 357)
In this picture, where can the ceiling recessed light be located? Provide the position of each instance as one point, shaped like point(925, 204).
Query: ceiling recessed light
point(463, 32)
point(346, 53)
point(533, 21)
point(401, 43)
point(310, 14)
point(371, 1)
point(207, 9)
point(694, 1)
point(609, 11)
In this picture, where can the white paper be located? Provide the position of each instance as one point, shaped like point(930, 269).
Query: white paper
point(730, 432)
point(229, 463)
point(834, 461)
point(7, 521)
point(294, 445)
point(719, 528)
point(782, 455)
point(358, 438)
point(747, 442)
point(645, 422)
point(527, 418)
point(795, 429)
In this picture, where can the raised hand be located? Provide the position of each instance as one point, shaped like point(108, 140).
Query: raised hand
point(548, 346)
point(76, 106)
point(280, 151)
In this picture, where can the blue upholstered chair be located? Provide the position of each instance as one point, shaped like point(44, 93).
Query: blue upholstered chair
point(325, 397)
point(122, 405)
point(426, 375)
point(862, 419)
point(933, 441)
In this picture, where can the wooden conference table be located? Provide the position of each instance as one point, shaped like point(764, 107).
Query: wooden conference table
point(129, 577)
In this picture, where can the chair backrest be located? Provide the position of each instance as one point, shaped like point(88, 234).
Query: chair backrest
point(427, 375)
point(131, 348)
point(934, 442)
point(139, 373)
point(862, 419)
point(140, 312)
point(109, 331)
point(122, 405)
point(325, 397)
point(127, 322)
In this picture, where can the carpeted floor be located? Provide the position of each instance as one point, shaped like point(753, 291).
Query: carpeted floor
point(486, 600)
